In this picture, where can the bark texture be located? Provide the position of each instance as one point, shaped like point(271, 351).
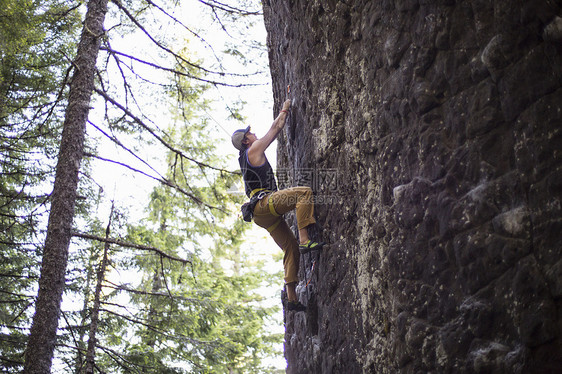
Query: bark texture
point(42, 339)
point(431, 134)
point(95, 312)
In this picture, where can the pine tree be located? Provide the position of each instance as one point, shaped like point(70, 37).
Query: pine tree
point(35, 39)
point(42, 338)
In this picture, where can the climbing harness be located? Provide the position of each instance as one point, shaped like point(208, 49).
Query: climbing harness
point(248, 208)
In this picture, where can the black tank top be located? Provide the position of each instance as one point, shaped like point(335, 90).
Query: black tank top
point(256, 177)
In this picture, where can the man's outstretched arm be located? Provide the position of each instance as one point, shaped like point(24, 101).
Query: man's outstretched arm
point(256, 153)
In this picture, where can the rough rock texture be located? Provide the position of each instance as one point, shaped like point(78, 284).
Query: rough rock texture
point(431, 134)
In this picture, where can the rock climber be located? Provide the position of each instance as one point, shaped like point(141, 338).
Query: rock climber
point(268, 204)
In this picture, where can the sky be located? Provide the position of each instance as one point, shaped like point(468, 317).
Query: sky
point(258, 110)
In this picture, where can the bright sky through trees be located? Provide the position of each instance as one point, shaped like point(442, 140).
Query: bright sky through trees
point(131, 188)
point(130, 253)
point(257, 95)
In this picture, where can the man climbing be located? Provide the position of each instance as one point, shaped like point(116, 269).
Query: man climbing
point(269, 203)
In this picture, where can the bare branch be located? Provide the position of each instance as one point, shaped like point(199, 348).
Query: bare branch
point(161, 180)
point(228, 8)
point(158, 137)
point(72, 334)
point(129, 245)
point(118, 142)
point(168, 50)
point(176, 71)
point(207, 44)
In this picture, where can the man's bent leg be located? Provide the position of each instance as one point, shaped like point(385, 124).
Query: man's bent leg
point(299, 198)
point(285, 239)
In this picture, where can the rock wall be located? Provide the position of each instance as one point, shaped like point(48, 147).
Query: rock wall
point(431, 134)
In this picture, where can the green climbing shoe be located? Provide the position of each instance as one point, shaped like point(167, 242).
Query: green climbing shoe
point(310, 246)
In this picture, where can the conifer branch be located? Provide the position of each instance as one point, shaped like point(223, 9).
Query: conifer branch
point(122, 287)
point(160, 331)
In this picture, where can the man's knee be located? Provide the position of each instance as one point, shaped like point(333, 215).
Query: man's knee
point(304, 191)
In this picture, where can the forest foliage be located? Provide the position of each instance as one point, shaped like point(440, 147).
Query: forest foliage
point(169, 290)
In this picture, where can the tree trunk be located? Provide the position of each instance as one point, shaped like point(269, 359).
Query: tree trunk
point(91, 353)
point(42, 339)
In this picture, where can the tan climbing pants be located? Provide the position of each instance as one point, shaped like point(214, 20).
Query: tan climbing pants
point(268, 214)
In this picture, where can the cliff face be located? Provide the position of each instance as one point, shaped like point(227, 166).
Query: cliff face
point(431, 134)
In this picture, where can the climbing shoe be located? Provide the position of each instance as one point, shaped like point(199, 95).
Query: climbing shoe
point(295, 306)
point(310, 246)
